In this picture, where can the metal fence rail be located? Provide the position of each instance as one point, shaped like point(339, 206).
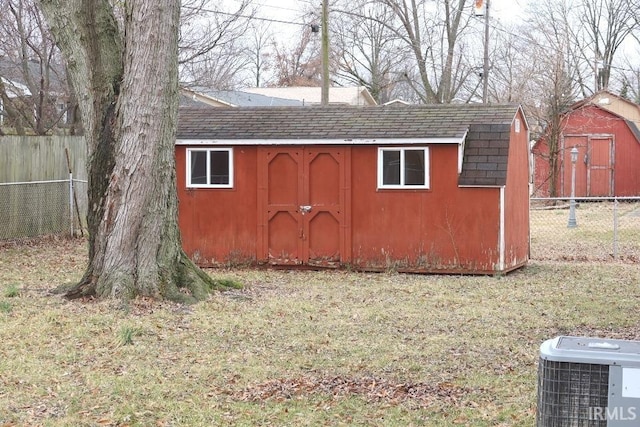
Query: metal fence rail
point(37, 208)
point(606, 229)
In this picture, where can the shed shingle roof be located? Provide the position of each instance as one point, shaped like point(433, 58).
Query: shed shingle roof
point(339, 122)
point(486, 127)
point(486, 154)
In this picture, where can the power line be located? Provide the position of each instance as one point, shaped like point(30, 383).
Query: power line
point(288, 9)
point(239, 15)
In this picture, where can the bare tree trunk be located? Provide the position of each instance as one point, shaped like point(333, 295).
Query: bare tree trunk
point(128, 92)
point(554, 151)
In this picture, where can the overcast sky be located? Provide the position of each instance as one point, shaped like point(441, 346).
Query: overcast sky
point(290, 12)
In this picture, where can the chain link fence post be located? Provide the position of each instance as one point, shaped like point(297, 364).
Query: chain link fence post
point(615, 228)
point(71, 202)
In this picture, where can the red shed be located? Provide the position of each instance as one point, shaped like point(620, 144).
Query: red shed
point(421, 189)
point(608, 146)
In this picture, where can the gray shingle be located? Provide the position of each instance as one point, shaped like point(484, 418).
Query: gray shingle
point(493, 148)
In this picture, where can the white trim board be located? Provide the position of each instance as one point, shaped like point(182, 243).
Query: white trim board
point(372, 141)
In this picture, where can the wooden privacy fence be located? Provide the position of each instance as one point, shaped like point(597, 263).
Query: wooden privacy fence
point(39, 177)
point(41, 158)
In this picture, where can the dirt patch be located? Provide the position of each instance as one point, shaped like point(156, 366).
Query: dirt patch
point(371, 389)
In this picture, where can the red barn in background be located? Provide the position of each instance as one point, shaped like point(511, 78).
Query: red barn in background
point(418, 188)
point(604, 129)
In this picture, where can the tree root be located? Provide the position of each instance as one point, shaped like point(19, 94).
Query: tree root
point(187, 284)
point(85, 289)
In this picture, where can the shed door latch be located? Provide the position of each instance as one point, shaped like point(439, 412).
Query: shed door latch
point(305, 209)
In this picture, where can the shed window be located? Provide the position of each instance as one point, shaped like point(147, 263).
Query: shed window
point(403, 168)
point(210, 168)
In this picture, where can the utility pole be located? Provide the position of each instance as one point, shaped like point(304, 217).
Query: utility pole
point(325, 53)
point(485, 65)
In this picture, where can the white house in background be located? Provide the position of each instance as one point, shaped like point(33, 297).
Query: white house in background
point(39, 94)
point(13, 90)
point(201, 96)
point(354, 95)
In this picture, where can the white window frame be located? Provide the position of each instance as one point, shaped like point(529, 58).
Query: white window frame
point(208, 151)
point(402, 185)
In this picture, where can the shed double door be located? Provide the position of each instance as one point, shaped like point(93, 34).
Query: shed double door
point(594, 168)
point(303, 202)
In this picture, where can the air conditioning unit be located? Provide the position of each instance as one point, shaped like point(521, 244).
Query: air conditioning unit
point(588, 382)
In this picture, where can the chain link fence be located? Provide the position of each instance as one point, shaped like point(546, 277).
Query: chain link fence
point(606, 229)
point(37, 208)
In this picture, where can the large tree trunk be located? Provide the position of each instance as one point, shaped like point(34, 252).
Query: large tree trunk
point(127, 89)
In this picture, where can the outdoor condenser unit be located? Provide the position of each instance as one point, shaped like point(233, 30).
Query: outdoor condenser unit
point(589, 382)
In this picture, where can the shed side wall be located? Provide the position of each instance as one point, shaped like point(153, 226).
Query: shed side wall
point(219, 226)
point(517, 198)
point(443, 228)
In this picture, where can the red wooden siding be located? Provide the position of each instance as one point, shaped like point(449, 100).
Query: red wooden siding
point(580, 142)
point(541, 168)
point(517, 201)
point(218, 226)
point(350, 221)
point(445, 227)
point(599, 166)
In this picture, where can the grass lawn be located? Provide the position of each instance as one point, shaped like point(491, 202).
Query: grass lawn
point(300, 348)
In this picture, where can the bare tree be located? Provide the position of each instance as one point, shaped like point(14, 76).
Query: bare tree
point(300, 65)
point(574, 44)
point(596, 30)
point(554, 103)
point(128, 79)
point(212, 44)
point(258, 54)
point(630, 81)
point(9, 115)
point(554, 79)
point(34, 91)
point(433, 31)
point(515, 77)
point(608, 24)
point(222, 68)
point(591, 34)
point(367, 52)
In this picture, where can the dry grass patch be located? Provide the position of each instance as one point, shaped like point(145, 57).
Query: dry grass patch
point(296, 348)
